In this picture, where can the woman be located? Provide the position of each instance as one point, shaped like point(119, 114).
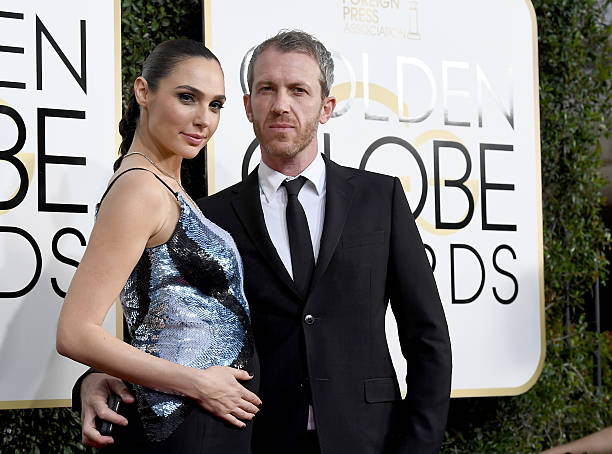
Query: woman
point(178, 275)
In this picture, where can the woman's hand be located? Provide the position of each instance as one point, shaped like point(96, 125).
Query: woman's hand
point(219, 391)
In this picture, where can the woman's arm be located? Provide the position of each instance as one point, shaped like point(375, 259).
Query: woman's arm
point(126, 224)
point(596, 443)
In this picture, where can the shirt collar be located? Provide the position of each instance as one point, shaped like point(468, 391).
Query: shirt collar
point(270, 179)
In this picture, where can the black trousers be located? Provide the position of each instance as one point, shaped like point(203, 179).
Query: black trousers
point(200, 433)
point(312, 443)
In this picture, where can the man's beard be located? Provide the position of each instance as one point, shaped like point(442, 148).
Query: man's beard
point(285, 150)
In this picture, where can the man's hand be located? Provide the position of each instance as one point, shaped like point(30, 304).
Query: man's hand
point(95, 390)
point(219, 391)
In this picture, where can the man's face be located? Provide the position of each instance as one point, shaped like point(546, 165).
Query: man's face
point(285, 104)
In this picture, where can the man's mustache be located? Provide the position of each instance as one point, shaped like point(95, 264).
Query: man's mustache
point(284, 119)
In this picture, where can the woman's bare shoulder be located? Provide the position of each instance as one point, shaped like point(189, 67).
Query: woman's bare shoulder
point(139, 199)
point(138, 188)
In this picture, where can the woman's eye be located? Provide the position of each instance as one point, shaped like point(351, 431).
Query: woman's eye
point(186, 97)
point(216, 105)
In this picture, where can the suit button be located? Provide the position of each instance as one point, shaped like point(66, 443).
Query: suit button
point(309, 319)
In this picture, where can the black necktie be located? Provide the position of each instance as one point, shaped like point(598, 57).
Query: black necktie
point(300, 245)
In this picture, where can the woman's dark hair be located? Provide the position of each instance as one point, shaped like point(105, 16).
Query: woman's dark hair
point(160, 62)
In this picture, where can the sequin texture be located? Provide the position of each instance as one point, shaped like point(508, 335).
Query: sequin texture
point(184, 302)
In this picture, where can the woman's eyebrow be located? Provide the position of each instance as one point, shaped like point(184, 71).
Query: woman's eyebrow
point(197, 92)
point(190, 88)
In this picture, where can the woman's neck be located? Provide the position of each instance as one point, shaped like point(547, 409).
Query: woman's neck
point(168, 161)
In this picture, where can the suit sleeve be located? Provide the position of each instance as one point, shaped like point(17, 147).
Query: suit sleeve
point(76, 390)
point(423, 335)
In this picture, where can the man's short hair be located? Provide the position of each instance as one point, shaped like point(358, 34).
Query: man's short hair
point(298, 41)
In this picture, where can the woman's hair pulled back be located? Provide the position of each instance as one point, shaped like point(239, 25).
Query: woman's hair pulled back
point(159, 64)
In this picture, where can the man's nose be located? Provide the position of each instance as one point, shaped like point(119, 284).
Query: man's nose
point(281, 103)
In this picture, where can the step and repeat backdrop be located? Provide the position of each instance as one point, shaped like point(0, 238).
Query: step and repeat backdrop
point(59, 106)
point(443, 95)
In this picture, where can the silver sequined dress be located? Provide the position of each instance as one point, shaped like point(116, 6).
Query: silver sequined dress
point(184, 302)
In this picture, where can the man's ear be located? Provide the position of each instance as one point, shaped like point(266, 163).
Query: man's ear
point(141, 91)
point(247, 107)
point(327, 109)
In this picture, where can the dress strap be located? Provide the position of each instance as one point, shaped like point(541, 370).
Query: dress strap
point(174, 193)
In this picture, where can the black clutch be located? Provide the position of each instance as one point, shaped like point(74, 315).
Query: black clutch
point(106, 427)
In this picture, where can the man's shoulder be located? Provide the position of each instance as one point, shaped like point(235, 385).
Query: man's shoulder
point(220, 197)
point(362, 176)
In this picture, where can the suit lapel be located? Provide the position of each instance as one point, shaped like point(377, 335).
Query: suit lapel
point(247, 205)
point(339, 194)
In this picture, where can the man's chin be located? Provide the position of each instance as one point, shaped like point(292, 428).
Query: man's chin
point(282, 152)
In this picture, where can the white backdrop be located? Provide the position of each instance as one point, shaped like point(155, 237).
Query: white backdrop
point(444, 95)
point(59, 100)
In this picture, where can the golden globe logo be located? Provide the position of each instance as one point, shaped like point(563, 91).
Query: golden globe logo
point(22, 163)
point(444, 96)
point(59, 101)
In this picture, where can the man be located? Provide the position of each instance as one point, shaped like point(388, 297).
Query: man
point(327, 380)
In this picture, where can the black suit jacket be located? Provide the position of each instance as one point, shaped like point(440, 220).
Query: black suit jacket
point(332, 346)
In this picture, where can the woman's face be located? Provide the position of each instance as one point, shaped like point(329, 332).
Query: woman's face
point(183, 113)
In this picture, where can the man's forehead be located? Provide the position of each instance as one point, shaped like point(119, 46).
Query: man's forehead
point(272, 60)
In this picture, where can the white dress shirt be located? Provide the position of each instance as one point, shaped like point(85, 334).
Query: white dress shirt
point(273, 198)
